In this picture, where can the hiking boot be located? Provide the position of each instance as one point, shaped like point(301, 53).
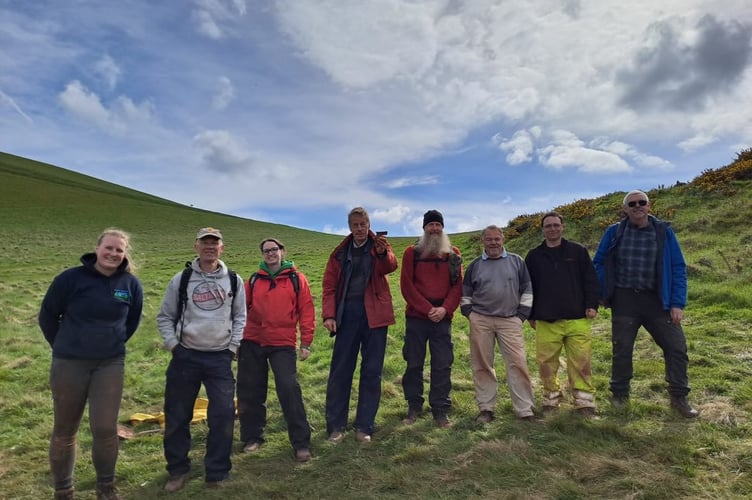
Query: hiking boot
point(336, 437)
point(107, 491)
point(681, 405)
point(65, 494)
point(176, 483)
point(619, 402)
point(442, 421)
point(485, 417)
point(303, 455)
point(412, 416)
point(214, 485)
point(587, 412)
point(362, 437)
point(530, 418)
point(251, 446)
point(550, 410)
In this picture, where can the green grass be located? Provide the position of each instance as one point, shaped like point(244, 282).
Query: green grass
point(51, 216)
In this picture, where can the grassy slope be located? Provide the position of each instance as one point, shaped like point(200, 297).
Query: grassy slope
point(50, 216)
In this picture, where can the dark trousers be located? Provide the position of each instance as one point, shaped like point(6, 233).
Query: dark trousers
point(354, 335)
point(418, 332)
point(73, 382)
point(188, 369)
point(253, 378)
point(630, 310)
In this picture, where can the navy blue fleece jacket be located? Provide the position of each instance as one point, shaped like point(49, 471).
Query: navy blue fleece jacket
point(87, 315)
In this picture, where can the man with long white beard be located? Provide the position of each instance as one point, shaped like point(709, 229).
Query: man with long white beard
point(431, 283)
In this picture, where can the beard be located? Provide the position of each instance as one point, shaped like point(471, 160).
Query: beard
point(433, 245)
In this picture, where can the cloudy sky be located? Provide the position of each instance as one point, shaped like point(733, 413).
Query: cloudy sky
point(295, 111)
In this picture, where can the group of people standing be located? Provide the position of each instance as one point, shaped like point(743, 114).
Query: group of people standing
point(210, 316)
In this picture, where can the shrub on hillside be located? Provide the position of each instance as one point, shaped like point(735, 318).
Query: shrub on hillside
point(721, 180)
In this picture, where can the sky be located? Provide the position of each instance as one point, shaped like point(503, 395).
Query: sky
point(296, 111)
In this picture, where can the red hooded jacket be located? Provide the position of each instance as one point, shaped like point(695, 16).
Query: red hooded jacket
point(275, 310)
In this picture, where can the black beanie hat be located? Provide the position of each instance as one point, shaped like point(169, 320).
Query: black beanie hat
point(433, 216)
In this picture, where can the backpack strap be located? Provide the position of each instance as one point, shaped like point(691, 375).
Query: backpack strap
point(293, 278)
point(455, 265)
point(233, 287)
point(295, 281)
point(183, 291)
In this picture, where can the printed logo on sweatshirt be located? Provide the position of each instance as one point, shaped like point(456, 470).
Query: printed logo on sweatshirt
point(123, 295)
point(209, 296)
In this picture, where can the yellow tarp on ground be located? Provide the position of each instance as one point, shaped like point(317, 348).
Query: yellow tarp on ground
point(199, 414)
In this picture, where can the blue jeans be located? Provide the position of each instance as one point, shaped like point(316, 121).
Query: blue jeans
point(630, 310)
point(73, 383)
point(354, 335)
point(418, 332)
point(253, 377)
point(188, 369)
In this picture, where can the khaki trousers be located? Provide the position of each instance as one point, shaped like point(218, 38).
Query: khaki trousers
point(485, 331)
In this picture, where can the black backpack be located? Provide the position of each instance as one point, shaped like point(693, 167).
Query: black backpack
point(183, 290)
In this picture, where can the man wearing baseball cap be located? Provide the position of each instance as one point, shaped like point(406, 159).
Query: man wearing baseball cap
point(201, 322)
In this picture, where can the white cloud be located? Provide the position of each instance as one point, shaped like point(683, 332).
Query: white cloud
point(206, 24)
point(391, 215)
point(402, 182)
point(341, 230)
point(626, 150)
point(519, 147)
point(364, 43)
point(120, 118)
point(697, 142)
point(109, 71)
point(568, 151)
point(225, 94)
point(4, 98)
point(85, 104)
point(212, 16)
point(221, 151)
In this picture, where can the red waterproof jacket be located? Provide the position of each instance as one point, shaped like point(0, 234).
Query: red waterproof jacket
point(425, 284)
point(275, 310)
point(378, 297)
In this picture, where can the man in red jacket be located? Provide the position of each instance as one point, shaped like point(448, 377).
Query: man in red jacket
point(357, 309)
point(431, 283)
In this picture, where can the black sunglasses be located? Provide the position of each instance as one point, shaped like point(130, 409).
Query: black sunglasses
point(633, 204)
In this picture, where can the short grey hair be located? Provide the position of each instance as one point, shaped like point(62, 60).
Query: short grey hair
point(491, 228)
point(634, 191)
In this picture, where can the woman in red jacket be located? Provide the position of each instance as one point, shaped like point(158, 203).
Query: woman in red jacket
point(279, 301)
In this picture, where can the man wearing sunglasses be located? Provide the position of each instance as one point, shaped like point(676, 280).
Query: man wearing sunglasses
point(643, 279)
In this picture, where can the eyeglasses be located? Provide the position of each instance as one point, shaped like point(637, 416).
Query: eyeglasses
point(271, 250)
point(633, 204)
point(552, 226)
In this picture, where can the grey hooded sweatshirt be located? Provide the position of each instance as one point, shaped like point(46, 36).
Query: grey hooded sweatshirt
point(208, 324)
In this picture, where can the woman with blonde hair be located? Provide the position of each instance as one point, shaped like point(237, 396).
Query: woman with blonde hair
point(88, 314)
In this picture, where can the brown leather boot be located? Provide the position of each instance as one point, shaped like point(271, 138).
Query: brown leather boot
point(107, 491)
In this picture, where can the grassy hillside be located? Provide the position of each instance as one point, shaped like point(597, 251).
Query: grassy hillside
point(50, 216)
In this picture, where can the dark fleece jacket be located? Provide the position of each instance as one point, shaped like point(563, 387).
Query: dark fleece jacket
point(87, 315)
point(564, 281)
